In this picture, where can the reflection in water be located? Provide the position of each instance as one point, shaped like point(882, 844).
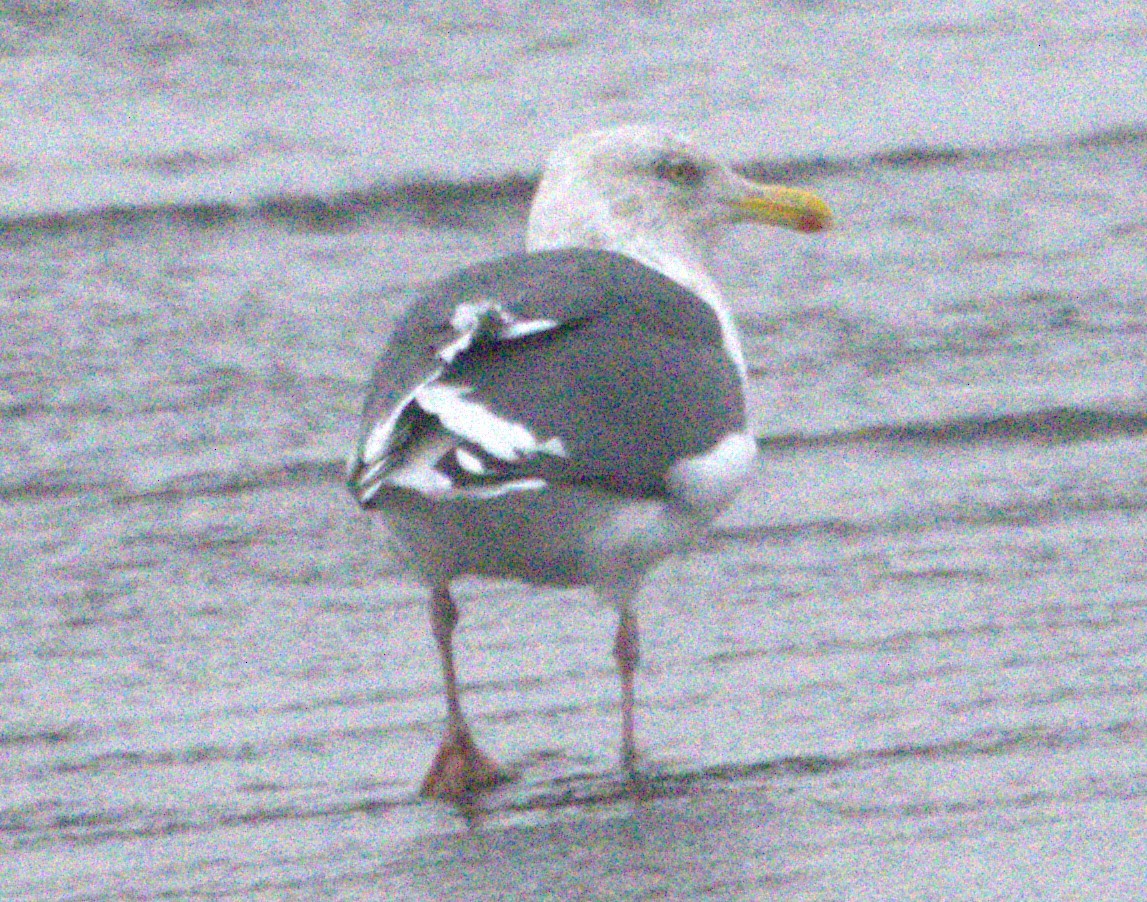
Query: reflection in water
point(694, 844)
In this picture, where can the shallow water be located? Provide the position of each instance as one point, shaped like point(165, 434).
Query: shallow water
point(908, 664)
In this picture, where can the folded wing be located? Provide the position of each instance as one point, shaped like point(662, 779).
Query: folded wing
point(569, 367)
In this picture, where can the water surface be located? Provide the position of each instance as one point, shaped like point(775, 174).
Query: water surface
point(908, 664)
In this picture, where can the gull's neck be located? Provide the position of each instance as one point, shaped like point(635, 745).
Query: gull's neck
point(678, 256)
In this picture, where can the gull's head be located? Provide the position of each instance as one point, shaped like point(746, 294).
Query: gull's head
point(641, 190)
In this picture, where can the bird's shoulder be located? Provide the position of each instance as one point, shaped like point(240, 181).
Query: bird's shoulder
point(562, 286)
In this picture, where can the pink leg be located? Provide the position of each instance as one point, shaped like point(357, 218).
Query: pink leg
point(459, 769)
point(625, 650)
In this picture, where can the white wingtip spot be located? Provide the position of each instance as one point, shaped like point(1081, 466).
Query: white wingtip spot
point(526, 328)
point(485, 493)
point(469, 462)
point(468, 316)
point(475, 423)
point(554, 447)
point(474, 320)
point(382, 437)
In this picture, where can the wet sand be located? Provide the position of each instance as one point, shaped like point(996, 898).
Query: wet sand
point(909, 663)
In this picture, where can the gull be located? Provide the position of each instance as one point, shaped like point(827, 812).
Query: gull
point(572, 414)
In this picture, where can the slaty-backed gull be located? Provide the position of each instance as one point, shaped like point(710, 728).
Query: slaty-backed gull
point(570, 415)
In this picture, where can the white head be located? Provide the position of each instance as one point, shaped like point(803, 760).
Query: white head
point(657, 197)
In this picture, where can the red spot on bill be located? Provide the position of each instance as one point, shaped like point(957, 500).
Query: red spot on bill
point(811, 223)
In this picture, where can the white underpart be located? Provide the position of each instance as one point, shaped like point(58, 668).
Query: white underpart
point(708, 482)
point(635, 527)
point(639, 531)
point(472, 422)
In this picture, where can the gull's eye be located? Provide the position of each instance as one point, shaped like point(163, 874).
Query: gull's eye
point(679, 171)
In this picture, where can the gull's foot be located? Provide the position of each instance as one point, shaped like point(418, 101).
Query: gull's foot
point(635, 778)
point(460, 770)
